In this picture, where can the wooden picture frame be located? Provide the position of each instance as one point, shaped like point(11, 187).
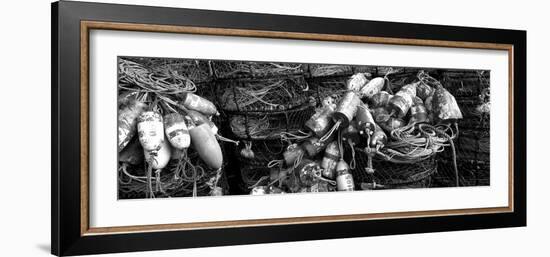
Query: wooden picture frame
point(71, 25)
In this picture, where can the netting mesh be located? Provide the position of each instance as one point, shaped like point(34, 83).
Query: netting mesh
point(262, 95)
point(170, 186)
point(264, 152)
point(323, 87)
point(327, 70)
point(389, 174)
point(196, 70)
point(465, 83)
point(269, 125)
point(244, 69)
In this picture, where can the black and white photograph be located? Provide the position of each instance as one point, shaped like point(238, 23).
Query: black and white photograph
point(199, 127)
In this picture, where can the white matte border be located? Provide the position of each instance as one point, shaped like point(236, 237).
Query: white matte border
point(107, 211)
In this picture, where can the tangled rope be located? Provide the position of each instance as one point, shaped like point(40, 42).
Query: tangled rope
point(160, 82)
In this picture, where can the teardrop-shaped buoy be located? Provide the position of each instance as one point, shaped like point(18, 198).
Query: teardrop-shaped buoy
point(206, 145)
point(161, 158)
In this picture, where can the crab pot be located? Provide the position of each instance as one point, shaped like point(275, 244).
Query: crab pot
point(244, 69)
point(390, 174)
point(262, 95)
point(136, 189)
point(329, 70)
point(268, 126)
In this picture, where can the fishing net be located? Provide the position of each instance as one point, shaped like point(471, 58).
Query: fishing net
point(331, 86)
point(328, 70)
point(255, 126)
point(262, 95)
point(476, 113)
point(132, 183)
point(263, 151)
point(247, 69)
point(196, 70)
point(136, 77)
point(389, 174)
point(471, 173)
point(462, 83)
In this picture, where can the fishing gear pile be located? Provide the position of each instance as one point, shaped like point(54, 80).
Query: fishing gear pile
point(351, 133)
point(266, 105)
point(168, 143)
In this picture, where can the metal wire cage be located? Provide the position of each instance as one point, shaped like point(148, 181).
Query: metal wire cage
point(248, 69)
point(261, 125)
point(262, 95)
point(388, 174)
point(198, 71)
point(170, 186)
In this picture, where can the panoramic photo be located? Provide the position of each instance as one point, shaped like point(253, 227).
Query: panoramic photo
point(198, 127)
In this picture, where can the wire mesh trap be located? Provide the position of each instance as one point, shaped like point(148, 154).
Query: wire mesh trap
point(248, 69)
point(389, 174)
point(262, 95)
point(194, 180)
point(266, 126)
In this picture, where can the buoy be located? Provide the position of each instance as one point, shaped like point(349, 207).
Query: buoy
point(445, 107)
point(378, 138)
point(128, 114)
point(160, 158)
point(197, 103)
point(419, 114)
point(351, 133)
point(392, 123)
point(344, 179)
point(176, 131)
point(292, 153)
point(150, 130)
point(423, 90)
point(380, 99)
point(306, 172)
point(370, 89)
point(356, 82)
point(199, 119)
point(259, 190)
point(330, 159)
point(216, 191)
point(346, 109)
point(365, 121)
point(402, 101)
point(313, 146)
point(206, 145)
point(321, 122)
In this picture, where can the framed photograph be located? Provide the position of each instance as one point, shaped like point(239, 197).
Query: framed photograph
point(179, 128)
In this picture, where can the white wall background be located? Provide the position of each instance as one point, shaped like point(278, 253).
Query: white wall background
point(25, 127)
